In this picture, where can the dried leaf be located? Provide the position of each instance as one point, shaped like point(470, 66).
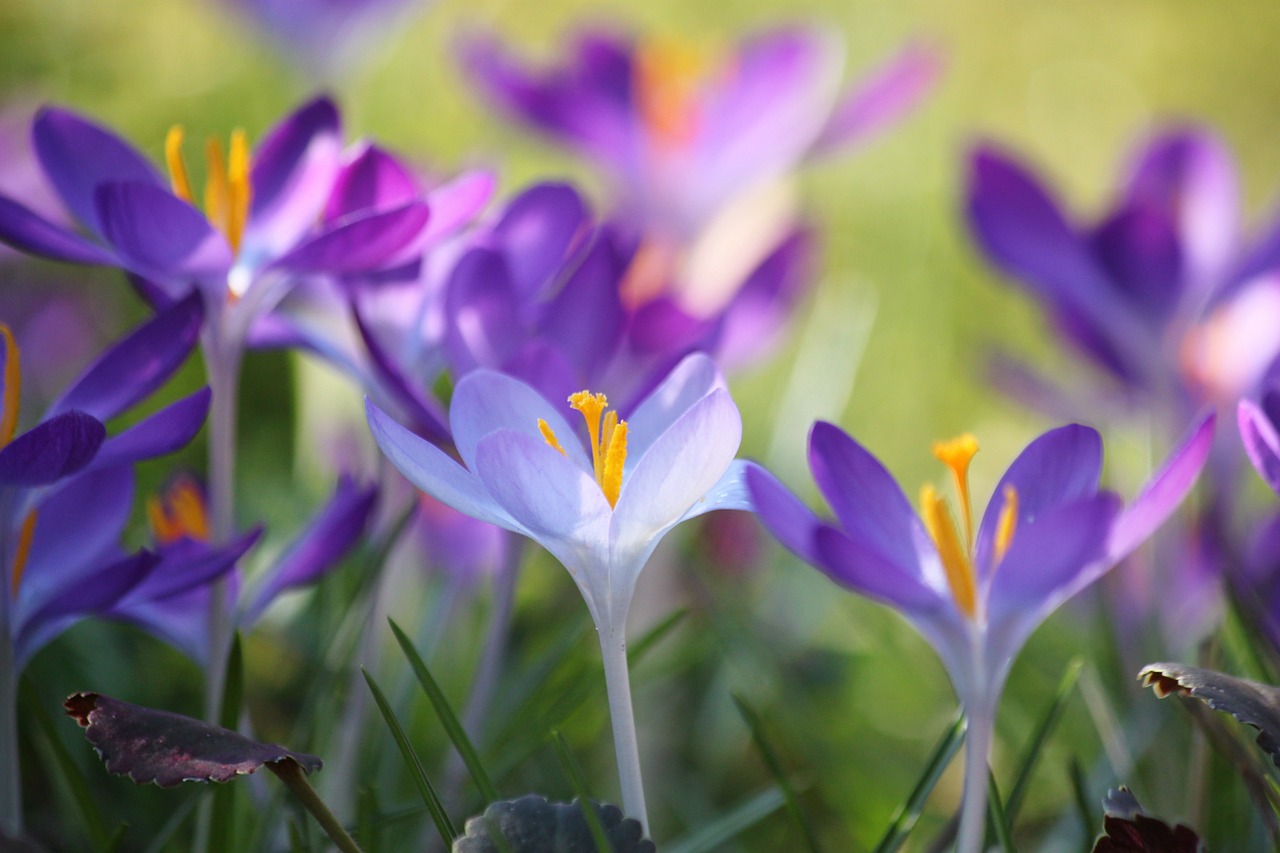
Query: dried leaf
point(531, 824)
point(1128, 830)
point(1250, 702)
point(166, 748)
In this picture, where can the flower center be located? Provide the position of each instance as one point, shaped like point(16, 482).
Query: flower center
point(226, 190)
point(179, 513)
point(667, 79)
point(607, 436)
point(955, 550)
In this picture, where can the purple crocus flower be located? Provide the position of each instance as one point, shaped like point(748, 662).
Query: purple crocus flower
point(1259, 422)
point(975, 592)
point(1161, 293)
point(679, 134)
point(601, 510)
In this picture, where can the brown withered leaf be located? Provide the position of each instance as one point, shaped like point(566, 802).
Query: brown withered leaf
point(1250, 702)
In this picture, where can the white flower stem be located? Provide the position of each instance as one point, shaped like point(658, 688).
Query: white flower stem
point(613, 649)
point(980, 725)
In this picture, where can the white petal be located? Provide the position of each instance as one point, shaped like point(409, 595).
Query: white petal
point(688, 382)
point(485, 402)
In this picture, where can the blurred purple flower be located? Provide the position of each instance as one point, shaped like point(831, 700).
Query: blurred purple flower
point(1258, 421)
point(680, 133)
point(600, 511)
point(975, 593)
point(1161, 294)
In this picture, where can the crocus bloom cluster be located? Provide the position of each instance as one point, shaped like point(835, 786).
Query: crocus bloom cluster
point(600, 510)
point(1161, 293)
point(976, 593)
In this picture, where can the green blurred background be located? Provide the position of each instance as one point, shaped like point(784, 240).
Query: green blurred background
point(895, 337)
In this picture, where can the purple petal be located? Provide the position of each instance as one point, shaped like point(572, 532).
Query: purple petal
point(465, 549)
point(292, 174)
point(864, 568)
point(586, 317)
point(159, 236)
point(761, 309)
point(1163, 492)
point(542, 366)
point(457, 202)
point(360, 244)
point(1060, 467)
point(1139, 248)
point(787, 518)
point(434, 472)
point(165, 432)
point(485, 402)
point(51, 450)
point(405, 390)
point(96, 594)
point(1261, 442)
point(679, 468)
point(884, 98)
point(482, 309)
point(729, 492)
point(691, 380)
point(536, 232)
point(186, 565)
point(136, 366)
point(865, 497)
point(27, 231)
point(328, 538)
point(373, 180)
point(78, 157)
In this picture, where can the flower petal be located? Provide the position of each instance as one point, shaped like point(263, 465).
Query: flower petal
point(432, 471)
point(482, 310)
point(1163, 492)
point(537, 231)
point(729, 492)
point(27, 231)
point(887, 94)
point(424, 410)
point(137, 365)
point(51, 450)
point(691, 380)
point(1261, 442)
point(458, 201)
point(79, 156)
point(586, 317)
point(372, 180)
point(165, 432)
point(159, 236)
point(861, 566)
point(485, 402)
point(292, 174)
point(1140, 250)
point(787, 518)
point(359, 244)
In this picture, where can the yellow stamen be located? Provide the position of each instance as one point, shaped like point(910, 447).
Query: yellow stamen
point(217, 189)
point(1007, 524)
point(956, 454)
point(614, 458)
point(25, 534)
point(955, 556)
point(668, 77)
point(178, 178)
point(12, 387)
point(181, 513)
point(592, 406)
point(549, 436)
point(239, 189)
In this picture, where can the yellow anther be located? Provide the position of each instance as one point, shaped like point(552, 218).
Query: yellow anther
point(238, 187)
point(549, 436)
point(615, 457)
point(953, 553)
point(1007, 524)
point(956, 454)
point(12, 387)
point(592, 406)
point(217, 188)
point(181, 513)
point(178, 178)
point(25, 534)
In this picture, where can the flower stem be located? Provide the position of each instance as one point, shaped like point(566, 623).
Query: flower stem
point(291, 774)
point(977, 754)
point(10, 775)
point(613, 649)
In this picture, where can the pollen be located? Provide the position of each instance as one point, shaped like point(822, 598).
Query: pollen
point(550, 437)
point(25, 534)
point(667, 80)
point(227, 189)
point(608, 439)
point(12, 387)
point(179, 514)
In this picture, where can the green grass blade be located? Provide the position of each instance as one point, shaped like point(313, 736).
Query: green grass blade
point(585, 801)
point(77, 786)
point(1080, 794)
point(770, 757)
point(448, 719)
point(411, 760)
point(655, 635)
point(728, 825)
point(904, 819)
point(996, 821)
point(1038, 739)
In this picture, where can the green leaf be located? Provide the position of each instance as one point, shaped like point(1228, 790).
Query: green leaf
point(775, 767)
point(447, 718)
point(997, 823)
point(728, 825)
point(1041, 735)
point(580, 790)
point(411, 760)
point(904, 819)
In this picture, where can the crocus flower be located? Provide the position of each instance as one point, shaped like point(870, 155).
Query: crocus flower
point(1259, 422)
point(975, 591)
point(600, 510)
point(680, 133)
point(1161, 292)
